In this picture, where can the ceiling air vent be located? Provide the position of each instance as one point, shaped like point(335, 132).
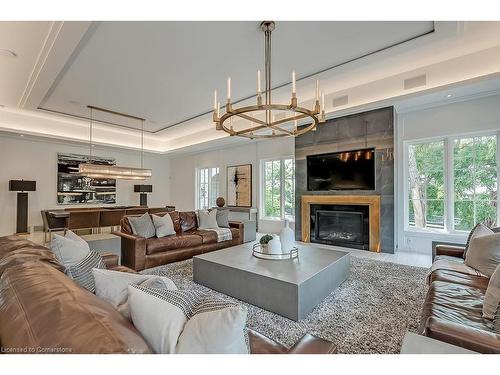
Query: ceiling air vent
point(340, 101)
point(413, 82)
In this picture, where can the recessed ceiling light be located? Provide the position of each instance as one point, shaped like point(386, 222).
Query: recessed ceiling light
point(21, 135)
point(7, 53)
point(449, 96)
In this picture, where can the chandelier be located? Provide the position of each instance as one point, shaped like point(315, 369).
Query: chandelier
point(93, 170)
point(267, 119)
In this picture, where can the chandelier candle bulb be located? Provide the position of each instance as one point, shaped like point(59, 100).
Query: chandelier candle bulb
point(323, 101)
point(228, 89)
point(317, 89)
point(215, 100)
point(258, 83)
point(294, 88)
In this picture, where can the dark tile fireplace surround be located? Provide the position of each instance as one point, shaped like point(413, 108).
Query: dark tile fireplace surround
point(341, 225)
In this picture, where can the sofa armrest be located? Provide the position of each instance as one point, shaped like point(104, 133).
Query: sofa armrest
point(466, 337)
point(451, 250)
point(110, 260)
point(310, 344)
point(240, 226)
point(133, 250)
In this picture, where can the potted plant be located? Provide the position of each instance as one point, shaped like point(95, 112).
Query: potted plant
point(264, 241)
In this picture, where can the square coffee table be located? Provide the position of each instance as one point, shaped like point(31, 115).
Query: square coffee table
point(291, 288)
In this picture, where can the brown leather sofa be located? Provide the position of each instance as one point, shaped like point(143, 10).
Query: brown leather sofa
point(140, 253)
point(452, 311)
point(44, 311)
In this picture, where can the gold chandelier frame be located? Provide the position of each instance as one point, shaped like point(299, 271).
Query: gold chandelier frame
point(225, 122)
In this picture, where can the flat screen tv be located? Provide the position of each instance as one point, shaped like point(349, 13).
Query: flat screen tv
point(348, 170)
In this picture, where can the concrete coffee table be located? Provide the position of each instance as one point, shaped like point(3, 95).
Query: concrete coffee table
point(291, 288)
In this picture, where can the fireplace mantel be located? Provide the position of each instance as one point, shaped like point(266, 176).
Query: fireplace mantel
point(372, 201)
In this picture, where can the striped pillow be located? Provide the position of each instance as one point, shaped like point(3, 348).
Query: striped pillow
point(496, 322)
point(82, 271)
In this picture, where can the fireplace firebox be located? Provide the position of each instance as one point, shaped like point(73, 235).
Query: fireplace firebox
point(341, 225)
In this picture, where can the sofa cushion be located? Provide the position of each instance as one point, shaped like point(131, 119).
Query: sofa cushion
point(449, 276)
point(188, 220)
point(450, 263)
point(14, 242)
point(207, 219)
point(208, 236)
point(222, 218)
point(455, 303)
point(179, 241)
point(484, 253)
point(43, 308)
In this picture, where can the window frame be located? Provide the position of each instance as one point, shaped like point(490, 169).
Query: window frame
point(209, 185)
point(262, 192)
point(449, 181)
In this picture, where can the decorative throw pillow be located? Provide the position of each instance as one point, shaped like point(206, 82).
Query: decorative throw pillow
point(82, 271)
point(484, 253)
point(222, 218)
point(142, 226)
point(69, 249)
point(207, 219)
point(112, 286)
point(478, 231)
point(164, 225)
point(187, 321)
point(496, 321)
point(492, 295)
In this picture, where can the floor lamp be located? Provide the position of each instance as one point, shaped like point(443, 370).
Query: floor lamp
point(22, 186)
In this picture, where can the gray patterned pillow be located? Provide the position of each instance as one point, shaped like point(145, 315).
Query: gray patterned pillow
point(82, 271)
point(222, 218)
point(142, 226)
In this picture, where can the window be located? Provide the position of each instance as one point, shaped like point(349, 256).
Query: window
point(452, 183)
point(278, 188)
point(426, 185)
point(474, 181)
point(207, 183)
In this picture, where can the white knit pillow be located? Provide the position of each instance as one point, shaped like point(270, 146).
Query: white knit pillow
point(69, 249)
point(187, 321)
point(207, 219)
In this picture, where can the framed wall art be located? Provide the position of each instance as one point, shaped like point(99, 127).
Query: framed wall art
point(239, 185)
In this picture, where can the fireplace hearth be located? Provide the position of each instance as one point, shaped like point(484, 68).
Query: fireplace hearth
point(341, 225)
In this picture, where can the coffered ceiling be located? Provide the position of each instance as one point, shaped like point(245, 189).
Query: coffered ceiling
point(166, 71)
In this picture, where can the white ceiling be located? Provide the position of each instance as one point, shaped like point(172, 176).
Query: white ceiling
point(25, 39)
point(167, 71)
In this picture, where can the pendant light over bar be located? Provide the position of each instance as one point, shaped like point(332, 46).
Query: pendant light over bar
point(93, 170)
point(260, 120)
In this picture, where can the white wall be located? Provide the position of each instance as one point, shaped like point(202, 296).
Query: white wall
point(34, 159)
point(183, 169)
point(449, 119)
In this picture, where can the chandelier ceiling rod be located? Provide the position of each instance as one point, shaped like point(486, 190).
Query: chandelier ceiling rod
point(93, 170)
point(262, 122)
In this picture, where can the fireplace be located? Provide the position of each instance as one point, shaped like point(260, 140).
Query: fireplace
point(341, 225)
point(342, 220)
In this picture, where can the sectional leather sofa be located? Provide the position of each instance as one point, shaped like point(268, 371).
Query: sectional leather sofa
point(452, 311)
point(139, 253)
point(44, 311)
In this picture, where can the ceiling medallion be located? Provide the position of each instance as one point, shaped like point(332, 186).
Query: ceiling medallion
point(265, 119)
point(94, 170)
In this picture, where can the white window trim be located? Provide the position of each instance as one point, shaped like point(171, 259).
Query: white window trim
point(262, 179)
point(449, 192)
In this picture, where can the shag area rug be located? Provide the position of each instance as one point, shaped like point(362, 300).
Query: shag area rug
point(369, 313)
